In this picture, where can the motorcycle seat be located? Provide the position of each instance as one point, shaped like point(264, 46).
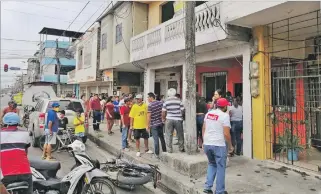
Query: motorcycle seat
point(51, 184)
point(17, 185)
point(44, 165)
point(142, 166)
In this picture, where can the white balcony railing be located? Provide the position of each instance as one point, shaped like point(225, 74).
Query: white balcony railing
point(169, 36)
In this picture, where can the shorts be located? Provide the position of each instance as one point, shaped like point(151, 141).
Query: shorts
point(117, 116)
point(140, 133)
point(81, 134)
point(50, 139)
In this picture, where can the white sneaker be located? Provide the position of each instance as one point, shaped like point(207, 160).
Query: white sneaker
point(149, 152)
point(138, 154)
point(126, 150)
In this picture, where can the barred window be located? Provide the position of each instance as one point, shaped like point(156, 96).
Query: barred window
point(104, 41)
point(119, 34)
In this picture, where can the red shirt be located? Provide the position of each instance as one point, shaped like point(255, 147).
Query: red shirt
point(110, 109)
point(13, 156)
point(9, 109)
point(95, 105)
point(124, 111)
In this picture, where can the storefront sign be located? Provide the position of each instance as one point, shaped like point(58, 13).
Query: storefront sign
point(108, 75)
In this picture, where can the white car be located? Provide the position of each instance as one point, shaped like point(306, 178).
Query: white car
point(38, 116)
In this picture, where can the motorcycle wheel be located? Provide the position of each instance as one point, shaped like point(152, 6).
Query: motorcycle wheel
point(26, 123)
point(99, 181)
point(53, 147)
point(134, 177)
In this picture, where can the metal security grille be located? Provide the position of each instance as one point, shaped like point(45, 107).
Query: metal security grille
point(293, 120)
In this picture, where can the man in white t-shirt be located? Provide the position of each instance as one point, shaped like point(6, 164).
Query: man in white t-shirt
point(216, 134)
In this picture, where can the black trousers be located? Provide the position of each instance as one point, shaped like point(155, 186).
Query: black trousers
point(96, 119)
point(19, 178)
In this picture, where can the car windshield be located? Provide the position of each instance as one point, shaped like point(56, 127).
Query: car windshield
point(66, 105)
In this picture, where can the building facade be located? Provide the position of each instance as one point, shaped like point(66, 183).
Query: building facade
point(49, 65)
point(265, 52)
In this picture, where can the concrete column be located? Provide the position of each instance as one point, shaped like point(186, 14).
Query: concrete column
point(247, 100)
point(149, 81)
point(184, 85)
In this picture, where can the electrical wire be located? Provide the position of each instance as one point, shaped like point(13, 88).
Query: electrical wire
point(11, 39)
point(42, 16)
point(58, 8)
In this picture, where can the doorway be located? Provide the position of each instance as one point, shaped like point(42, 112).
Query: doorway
point(238, 89)
point(157, 88)
point(214, 81)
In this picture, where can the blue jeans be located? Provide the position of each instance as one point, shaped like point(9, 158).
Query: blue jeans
point(216, 156)
point(124, 137)
point(158, 134)
point(236, 132)
point(199, 125)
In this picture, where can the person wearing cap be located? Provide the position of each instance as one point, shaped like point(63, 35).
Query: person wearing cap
point(172, 114)
point(216, 136)
point(96, 112)
point(51, 130)
point(138, 122)
point(14, 144)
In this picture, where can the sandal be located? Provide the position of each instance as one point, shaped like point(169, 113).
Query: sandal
point(50, 158)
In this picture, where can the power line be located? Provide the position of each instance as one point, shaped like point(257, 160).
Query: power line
point(53, 7)
point(12, 39)
point(12, 10)
point(91, 17)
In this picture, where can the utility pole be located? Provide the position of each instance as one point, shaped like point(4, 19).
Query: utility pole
point(58, 70)
point(190, 70)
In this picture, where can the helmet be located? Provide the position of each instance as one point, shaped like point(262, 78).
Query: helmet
point(55, 104)
point(11, 102)
point(11, 118)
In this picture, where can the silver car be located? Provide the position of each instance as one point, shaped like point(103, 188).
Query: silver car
point(38, 115)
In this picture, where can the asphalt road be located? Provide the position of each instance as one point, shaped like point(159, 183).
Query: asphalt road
point(93, 151)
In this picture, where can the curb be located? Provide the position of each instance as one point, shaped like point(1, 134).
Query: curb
point(296, 169)
point(105, 146)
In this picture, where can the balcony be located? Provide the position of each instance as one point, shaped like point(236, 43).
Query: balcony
point(54, 78)
point(71, 77)
point(169, 36)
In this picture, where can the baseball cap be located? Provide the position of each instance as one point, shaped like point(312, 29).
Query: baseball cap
point(55, 104)
point(139, 96)
point(222, 102)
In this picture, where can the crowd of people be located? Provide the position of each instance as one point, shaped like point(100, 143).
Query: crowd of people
point(219, 127)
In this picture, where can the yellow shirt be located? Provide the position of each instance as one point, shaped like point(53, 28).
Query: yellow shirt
point(139, 114)
point(79, 128)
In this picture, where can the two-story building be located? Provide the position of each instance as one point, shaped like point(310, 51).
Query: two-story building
point(266, 52)
point(106, 68)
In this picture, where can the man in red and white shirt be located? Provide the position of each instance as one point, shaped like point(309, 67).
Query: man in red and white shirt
point(14, 144)
point(216, 134)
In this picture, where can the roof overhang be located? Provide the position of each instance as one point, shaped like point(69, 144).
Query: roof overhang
point(60, 32)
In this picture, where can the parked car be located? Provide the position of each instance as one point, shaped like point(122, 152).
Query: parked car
point(38, 115)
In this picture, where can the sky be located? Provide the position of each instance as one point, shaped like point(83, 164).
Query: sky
point(23, 20)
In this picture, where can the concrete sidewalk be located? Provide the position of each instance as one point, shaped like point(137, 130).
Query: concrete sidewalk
point(243, 175)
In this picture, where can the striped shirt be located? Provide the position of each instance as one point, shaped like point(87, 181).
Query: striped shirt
point(155, 108)
point(173, 107)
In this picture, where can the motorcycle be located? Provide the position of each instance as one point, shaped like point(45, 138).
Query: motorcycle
point(121, 172)
point(25, 118)
point(82, 179)
point(17, 187)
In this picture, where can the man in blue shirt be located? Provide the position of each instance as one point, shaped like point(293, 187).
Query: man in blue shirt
point(116, 112)
point(51, 130)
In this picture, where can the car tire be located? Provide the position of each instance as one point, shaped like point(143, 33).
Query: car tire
point(34, 140)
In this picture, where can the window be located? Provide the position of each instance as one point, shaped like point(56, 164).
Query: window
point(67, 105)
point(104, 41)
point(167, 11)
point(119, 34)
point(80, 58)
point(283, 86)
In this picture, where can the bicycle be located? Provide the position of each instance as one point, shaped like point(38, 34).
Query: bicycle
point(64, 138)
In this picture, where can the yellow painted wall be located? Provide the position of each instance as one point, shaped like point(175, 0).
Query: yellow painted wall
point(260, 122)
point(154, 13)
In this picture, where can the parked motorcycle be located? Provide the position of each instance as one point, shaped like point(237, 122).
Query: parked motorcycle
point(81, 180)
point(25, 118)
point(121, 172)
point(17, 187)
